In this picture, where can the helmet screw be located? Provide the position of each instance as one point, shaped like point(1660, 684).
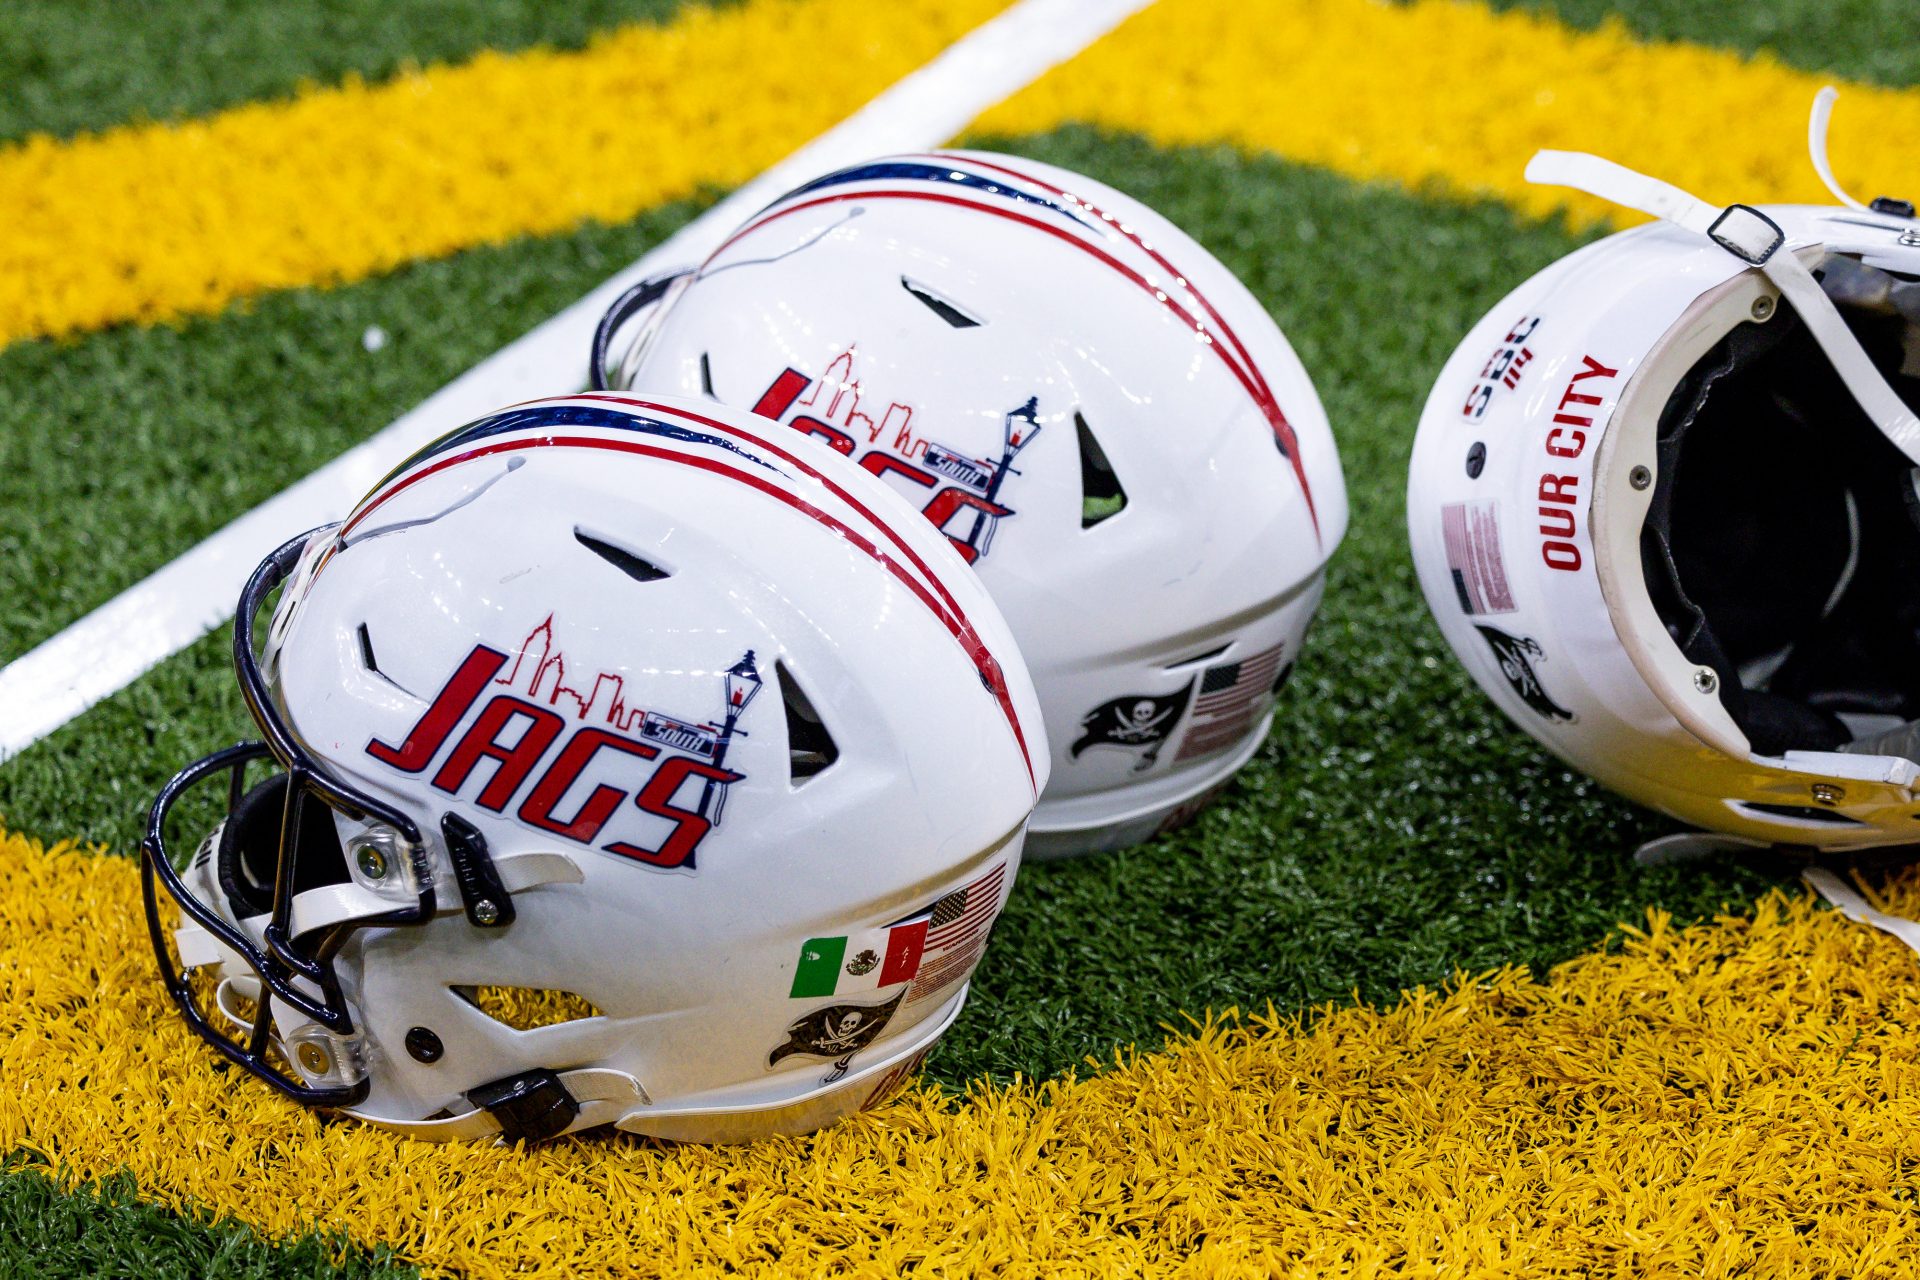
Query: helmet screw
point(423, 1045)
point(314, 1058)
point(485, 911)
point(1910, 238)
point(1827, 793)
point(1640, 477)
point(1476, 459)
point(1763, 307)
point(373, 863)
point(1705, 681)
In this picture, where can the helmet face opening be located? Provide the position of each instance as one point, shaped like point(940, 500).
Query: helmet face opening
point(1780, 547)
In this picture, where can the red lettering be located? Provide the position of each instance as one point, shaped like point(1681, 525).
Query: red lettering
point(1560, 555)
point(778, 398)
point(833, 435)
point(1579, 439)
point(483, 741)
point(1559, 489)
point(1562, 522)
point(424, 740)
point(1594, 369)
point(565, 771)
point(949, 502)
point(690, 826)
point(881, 464)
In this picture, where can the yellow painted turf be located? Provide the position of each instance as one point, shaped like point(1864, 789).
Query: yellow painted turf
point(1738, 1096)
point(1454, 97)
point(158, 221)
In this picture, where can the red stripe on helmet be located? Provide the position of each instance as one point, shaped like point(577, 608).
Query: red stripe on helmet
point(957, 625)
point(1249, 379)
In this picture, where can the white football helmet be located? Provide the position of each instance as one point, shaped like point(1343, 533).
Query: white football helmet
point(1663, 506)
point(1104, 422)
point(628, 762)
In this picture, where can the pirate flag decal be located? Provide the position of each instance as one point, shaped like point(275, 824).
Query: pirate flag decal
point(838, 1030)
point(1513, 654)
point(1137, 722)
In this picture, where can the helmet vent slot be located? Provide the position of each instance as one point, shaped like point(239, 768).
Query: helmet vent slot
point(1798, 813)
point(1101, 497)
point(940, 306)
point(706, 376)
point(811, 750)
point(367, 659)
point(635, 566)
point(1196, 659)
point(529, 1008)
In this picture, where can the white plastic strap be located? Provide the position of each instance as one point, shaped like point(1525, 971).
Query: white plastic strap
point(589, 1084)
point(1848, 902)
point(1817, 145)
point(1756, 240)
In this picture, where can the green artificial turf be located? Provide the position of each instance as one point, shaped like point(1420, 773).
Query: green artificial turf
point(1396, 828)
point(126, 448)
point(49, 1234)
point(73, 65)
point(1875, 40)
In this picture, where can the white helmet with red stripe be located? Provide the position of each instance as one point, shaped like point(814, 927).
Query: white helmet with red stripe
point(641, 763)
point(1101, 419)
point(1662, 503)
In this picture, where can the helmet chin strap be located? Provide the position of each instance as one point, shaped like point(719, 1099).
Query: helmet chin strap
point(1817, 146)
point(1851, 903)
point(1756, 240)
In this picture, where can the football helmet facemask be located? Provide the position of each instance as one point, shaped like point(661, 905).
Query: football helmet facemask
point(626, 762)
point(1096, 413)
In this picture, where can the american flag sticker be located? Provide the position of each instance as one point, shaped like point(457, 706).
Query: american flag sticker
point(957, 933)
point(1229, 697)
point(1472, 534)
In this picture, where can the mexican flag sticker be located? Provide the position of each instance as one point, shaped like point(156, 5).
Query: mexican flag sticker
point(861, 961)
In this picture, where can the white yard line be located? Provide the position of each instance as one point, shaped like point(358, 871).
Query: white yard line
point(144, 625)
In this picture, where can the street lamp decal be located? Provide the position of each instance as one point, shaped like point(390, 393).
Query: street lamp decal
point(742, 684)
point(1019, 429)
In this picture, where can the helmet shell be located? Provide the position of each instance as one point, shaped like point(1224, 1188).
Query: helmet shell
point(1531, 478)
point(1101, 419)
point(586, 626)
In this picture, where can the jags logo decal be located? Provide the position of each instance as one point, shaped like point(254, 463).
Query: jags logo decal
point(513, 719)
point(967, 508)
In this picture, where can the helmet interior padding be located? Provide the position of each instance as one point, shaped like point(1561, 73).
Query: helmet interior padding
point(1779, 547)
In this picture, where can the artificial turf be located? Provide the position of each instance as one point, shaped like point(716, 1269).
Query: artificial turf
point(1874, 40)
point(77, 65)
point(105, 1230)
point(1394, 829)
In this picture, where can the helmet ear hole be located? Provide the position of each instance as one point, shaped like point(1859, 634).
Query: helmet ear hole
point(810, 748)
point(1101, 497)
point(248, 859)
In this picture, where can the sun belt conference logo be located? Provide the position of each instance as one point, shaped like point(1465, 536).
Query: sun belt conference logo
point(658, 782)
point(962, 493)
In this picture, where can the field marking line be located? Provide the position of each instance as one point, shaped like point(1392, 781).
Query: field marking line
point(115, 644)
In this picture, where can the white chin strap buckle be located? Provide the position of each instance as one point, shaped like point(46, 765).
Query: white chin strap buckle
point(1747, 234)
point(1756, 240)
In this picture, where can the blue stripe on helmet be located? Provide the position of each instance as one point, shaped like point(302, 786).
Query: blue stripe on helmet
point(535, 417)
point(920, 171)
